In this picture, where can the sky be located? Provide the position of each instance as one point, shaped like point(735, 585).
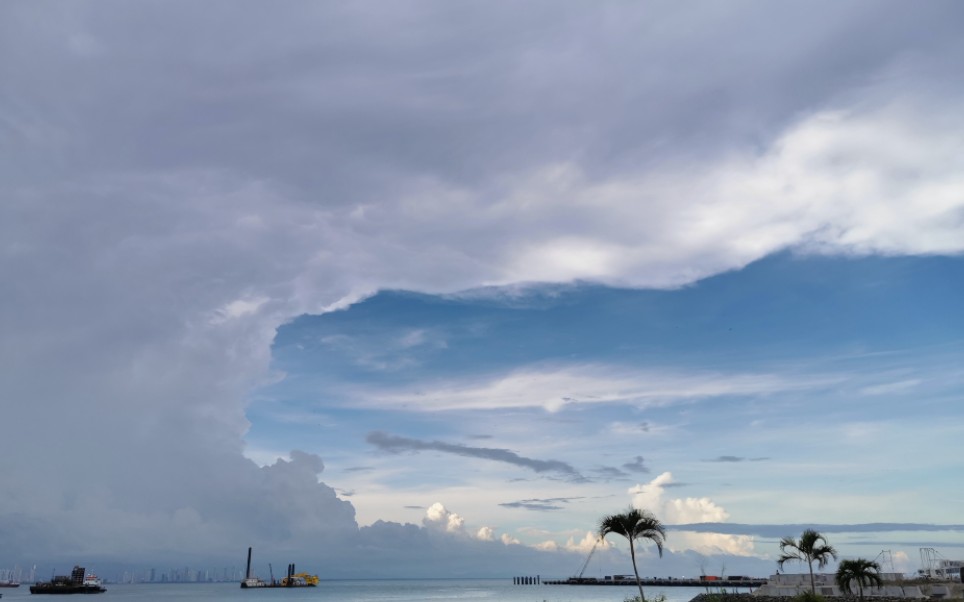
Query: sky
point(428, 288)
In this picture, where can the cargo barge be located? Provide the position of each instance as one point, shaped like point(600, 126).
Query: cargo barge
point(79, 582)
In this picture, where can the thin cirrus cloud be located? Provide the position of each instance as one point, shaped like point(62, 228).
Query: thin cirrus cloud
point(553, 389)
point(774, 530)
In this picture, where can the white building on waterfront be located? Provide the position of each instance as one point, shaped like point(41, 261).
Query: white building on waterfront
point(895, 586)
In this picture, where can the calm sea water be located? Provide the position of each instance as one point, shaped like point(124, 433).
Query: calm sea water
point(493, 590)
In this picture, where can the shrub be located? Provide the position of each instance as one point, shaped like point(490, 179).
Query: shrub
point(809, 597)
point(720, 596)
point(656, 598)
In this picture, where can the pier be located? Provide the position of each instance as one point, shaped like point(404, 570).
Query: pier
point(730, 583)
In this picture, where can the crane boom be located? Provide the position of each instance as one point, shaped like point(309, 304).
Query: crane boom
point(588, 558)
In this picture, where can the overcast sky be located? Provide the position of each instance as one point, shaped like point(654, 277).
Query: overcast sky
point(413, 288)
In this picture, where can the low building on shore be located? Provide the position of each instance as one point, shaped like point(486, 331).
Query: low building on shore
point(895, 586)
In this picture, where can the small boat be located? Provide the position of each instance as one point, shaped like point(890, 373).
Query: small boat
point(78, 582)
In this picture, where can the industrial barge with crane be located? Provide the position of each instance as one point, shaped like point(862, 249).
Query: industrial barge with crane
point(292, 579)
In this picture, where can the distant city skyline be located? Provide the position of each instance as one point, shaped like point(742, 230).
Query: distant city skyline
point(152, 575)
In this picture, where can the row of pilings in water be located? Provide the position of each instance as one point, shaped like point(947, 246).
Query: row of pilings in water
point(526, 580)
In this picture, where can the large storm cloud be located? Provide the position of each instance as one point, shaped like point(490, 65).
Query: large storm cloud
point(177, 180)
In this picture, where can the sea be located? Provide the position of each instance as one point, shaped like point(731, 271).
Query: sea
point(402, 590)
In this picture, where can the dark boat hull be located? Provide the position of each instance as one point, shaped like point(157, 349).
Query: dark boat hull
point(42, 588)
point(258, 584)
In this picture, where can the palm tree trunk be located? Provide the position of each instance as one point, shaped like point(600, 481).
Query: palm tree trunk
point(813, 586)
point(639, 584)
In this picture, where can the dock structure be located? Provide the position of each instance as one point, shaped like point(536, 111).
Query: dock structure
point(728, 583)
point(527, 580)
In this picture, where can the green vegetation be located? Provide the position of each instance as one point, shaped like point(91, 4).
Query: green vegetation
point(812, 547)
point(634, 524)
point(809, 597)
point(860, 570)
point(722, 596)
point(658, 598)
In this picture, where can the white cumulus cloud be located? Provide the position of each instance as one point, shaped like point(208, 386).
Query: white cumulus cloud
point(439, 517)
point(509, 540)
point(485, 534)
point(652, 496)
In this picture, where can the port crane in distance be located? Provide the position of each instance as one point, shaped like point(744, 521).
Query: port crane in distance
point(588, 558)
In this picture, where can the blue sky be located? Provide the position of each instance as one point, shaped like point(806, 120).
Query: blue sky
point(799, 389)
point(431, 286)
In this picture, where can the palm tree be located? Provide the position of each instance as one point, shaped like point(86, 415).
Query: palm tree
point(861, 570)
point(812, 547)
point(635, 524)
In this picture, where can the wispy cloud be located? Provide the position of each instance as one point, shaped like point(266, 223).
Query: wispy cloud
point(386, 352)
point(554, 388)
point(395, 444)
point(793, 528)
point(737, 459)
point(893, 387)
point(541, 504)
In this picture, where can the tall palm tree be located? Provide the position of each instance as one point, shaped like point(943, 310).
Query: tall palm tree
point(812, 547)
point(864, 572)
point(635, 524)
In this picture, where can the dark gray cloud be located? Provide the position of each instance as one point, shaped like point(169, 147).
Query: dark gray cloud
point(737, 459)
point(453, 99)
point(610, 472)
point(557, 503)
point(637, 465)
point(395, 444)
